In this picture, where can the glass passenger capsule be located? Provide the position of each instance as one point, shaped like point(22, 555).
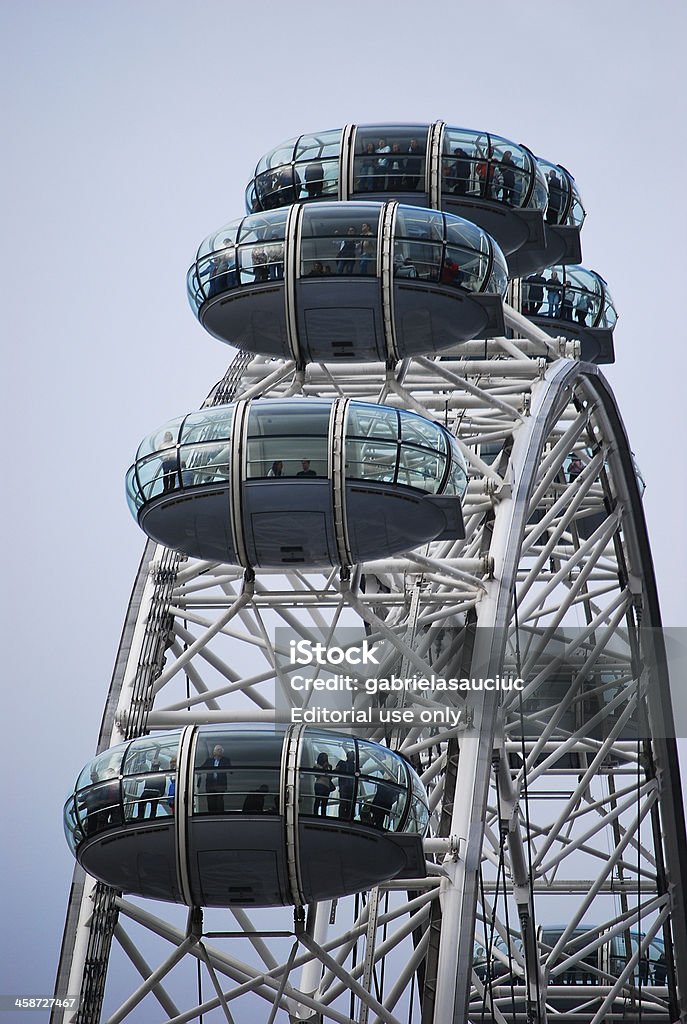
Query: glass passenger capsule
point(573, 302)
point(485, 178)
point(353, 281)
point(610, 957)
point(221, 816)
point(296, 481)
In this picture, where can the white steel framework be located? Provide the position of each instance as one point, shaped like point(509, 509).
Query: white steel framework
point(557, 834)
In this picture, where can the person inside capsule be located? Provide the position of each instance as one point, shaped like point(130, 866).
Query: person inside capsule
point(305, 469)
point(216, 779)
point(102, 802)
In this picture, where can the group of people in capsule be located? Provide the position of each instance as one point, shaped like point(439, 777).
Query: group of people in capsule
point(562, 302)
point(351, 253)
point(392, 165)
point(107, 803)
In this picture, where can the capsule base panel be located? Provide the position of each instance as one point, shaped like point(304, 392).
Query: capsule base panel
point(195, 522)
point(340, 318)
point(289, 523)
point(139, 860)
point(512, 228)
point(354, 858)
point(596, 343)
point(453, 513)
point(562, 248)
point(253, 319)
point(401, 520)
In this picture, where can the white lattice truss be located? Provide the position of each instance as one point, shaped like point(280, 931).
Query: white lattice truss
point(547, 820)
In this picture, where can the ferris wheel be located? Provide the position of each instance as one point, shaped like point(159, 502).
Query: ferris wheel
point(389, 734)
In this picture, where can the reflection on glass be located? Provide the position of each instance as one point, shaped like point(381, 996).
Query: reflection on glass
point(416, 430)
point(432, 246)
point(372, 421)
point(252, 790)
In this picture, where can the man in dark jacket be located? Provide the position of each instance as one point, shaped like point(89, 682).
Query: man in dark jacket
point(216, 779)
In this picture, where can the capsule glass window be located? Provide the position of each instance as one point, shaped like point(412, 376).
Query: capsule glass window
point(99, 807)
point(486, 166)
point(577, 211)
point(212, 275)
point(564, 200)
point(261, 248)
point(205, 463)
point(464, 161)
point(581, 298)
point(162, 440)
point(382, 788)
point(105, 766)
point(415, 430)
point(317, 165)
point(279, 187)
point(284, 435)
point(220, 240)
point(276, 183)
point(422, 458)
point(418, 818)
point(418, 245)
point(559, 194)
point(149, 782)
point(339, 240)
point(431, 247)
point(322, 757)
point(380, 804)
point(98, 798)
point(73, 829)
point(281, 154)
point(203, 455)
point(248, 251)
point(237, 773)
point(457, 480)
point(374, 451)
point(150, 754)
point(371, 443)
point(390, 159)
point(608, 313)
point(511, 173)
point(352, 780)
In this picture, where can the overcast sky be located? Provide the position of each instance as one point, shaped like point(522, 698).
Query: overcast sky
point(132, 128)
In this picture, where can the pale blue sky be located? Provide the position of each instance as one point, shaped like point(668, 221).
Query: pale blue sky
point(131, 130)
